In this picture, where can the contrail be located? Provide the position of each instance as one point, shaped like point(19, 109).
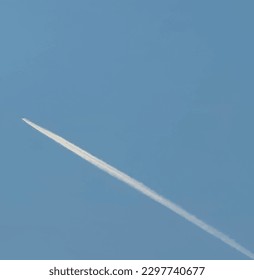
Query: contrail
point(143, 189)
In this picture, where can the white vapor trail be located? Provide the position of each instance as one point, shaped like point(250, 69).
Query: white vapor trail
point(143, 189)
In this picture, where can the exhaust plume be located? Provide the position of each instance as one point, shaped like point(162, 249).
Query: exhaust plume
point(143, 189)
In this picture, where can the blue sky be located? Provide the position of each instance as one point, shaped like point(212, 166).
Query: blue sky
point(163, 90)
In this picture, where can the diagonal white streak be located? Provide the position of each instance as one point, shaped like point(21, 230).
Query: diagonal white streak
point(143, 189)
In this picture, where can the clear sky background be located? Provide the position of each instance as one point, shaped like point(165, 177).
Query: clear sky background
point(163, 90)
